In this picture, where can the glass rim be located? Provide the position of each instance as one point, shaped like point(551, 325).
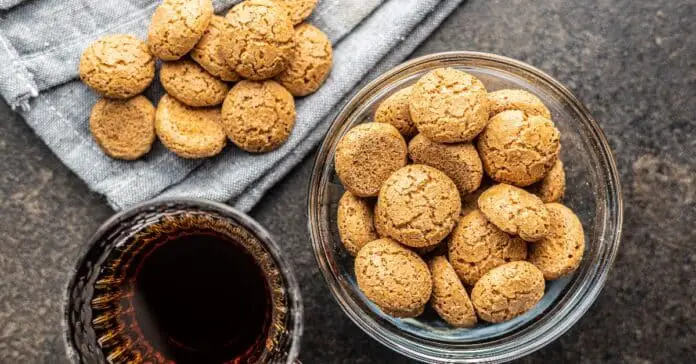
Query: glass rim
point(550, 325)
point(247, 222)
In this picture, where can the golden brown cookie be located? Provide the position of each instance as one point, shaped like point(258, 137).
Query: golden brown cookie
point(117, 66)
point(449, 298)
point(311, 63)
point(507, 99)
point(207, 51)
point(515, 211)
point(552, 187)
point(394, 110)
point(298, 10)
point(449, 106)
point(355, 222)
point(258, 116)
point(560, 252)
point(189, 132)
point(519, 149)
point(417, 206)
point(124, 129)
point(393, 277)
point(189, 83)
point(459, 161)
point(259, 39)
point(508, 291)
point(367, 155)
point(176, 27)
point(477, 246)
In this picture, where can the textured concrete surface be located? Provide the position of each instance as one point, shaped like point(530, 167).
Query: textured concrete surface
point(631, 62)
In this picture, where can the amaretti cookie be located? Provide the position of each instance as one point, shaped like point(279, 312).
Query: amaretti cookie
point(176, 27)
point(311, 62)
point(508, 291)
point(258, 116)
point(552, 187)
point(393, 277)
point(515, 211)
point(355, 222)
point(117, 66)
point(477, 246)
point(123, 129)
point(449, 106)
point(298, 10)
point(511, 99)
point(207, 51)
point(561, 250)
point(459, 161)
point(394, 110)
point(189, 132)
point(367, 155)
point(417, 206)
point(259, 39)
point(449, 297)
point(517, 148)
point(189, 83)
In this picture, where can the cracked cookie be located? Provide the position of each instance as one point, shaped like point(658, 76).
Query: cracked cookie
point(393, 277)
point(189, 83)
point(417, 206)
point(508, 291)
point(522, 100)
point(460, 161)
point(561, 250)
point(476, 246)
point(207, 51)
point(355, 222)
point(311, 63)
point(394, 110)
point(449, 298)
point(449, 106)
point(517, 148)
point(552, 187)
point(123, 129)
point(189, 132)
point(176, 27)
point(117, 66)
point(259, 39)
point(367, 155)
point(258, 116)
point(515, 211)
point(298, 10)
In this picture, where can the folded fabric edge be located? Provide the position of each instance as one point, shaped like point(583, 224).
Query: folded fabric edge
point(6, 4)
point(247, 200)
point(17, 84)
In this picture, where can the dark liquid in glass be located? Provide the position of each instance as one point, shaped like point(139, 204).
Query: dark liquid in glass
point(191, 296)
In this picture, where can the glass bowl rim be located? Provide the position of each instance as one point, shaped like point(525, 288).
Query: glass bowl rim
point(538, 336)
point(244, 220)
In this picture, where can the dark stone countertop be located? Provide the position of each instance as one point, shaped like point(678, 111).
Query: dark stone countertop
point(633, 64)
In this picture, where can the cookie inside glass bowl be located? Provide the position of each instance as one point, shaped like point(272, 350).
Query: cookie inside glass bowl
point(592, 191)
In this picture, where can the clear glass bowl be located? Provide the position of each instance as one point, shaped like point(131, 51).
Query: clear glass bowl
point(593, 192)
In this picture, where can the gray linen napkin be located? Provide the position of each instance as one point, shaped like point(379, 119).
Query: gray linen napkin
point(40, 45)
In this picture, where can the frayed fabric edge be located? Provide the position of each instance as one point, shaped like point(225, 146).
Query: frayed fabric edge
point(17, 84)
point(22, 101)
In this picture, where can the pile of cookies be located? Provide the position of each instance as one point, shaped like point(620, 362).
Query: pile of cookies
point(263, 45)
point(452, 198)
